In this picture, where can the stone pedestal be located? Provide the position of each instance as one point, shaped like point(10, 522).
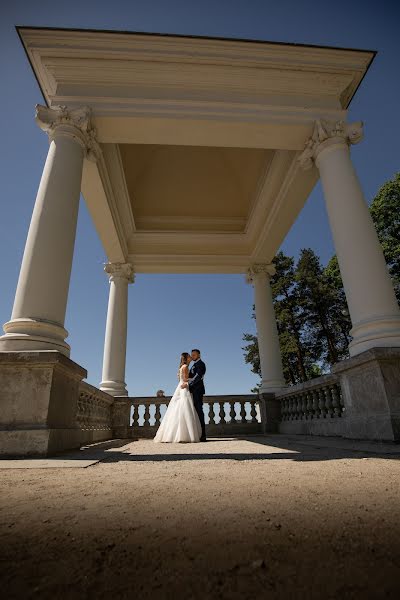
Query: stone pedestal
point(39, 393)
point(270, 409)
point(121, 415)
point(370, 384)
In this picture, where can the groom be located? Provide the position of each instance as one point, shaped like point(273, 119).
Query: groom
point(196, 387)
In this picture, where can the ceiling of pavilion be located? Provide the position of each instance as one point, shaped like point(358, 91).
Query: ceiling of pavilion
point(174, 188)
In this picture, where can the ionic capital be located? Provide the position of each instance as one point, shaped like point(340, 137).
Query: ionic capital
point(260, 269)
point(120, 271)
point(74, 122)
point(327, 133)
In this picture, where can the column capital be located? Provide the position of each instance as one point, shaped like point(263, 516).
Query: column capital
point(327, 133)
point(266, 269)
point(120, 271)
point(71, 122)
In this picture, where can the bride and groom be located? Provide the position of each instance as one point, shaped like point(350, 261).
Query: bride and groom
point(184, 417)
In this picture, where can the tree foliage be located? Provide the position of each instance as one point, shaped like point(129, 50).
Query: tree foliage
point(310, 304)
point(385, 212)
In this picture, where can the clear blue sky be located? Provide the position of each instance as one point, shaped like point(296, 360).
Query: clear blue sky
point(171, 314)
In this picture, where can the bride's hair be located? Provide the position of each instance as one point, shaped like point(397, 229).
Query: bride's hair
point(184, 357)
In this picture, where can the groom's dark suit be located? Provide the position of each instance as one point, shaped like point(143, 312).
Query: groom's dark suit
point(196, 387)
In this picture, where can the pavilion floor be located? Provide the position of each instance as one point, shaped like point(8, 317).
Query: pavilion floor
point(256, 517)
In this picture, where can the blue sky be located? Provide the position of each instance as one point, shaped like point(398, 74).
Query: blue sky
point(169, 314)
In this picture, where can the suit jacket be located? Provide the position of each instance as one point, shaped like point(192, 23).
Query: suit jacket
point(197, 372)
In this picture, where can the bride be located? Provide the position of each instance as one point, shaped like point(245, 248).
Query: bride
point(180, 422)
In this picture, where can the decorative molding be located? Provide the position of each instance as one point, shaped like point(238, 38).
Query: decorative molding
point(71, 122)
point(120, 271)
point(187, 224)
point(264, 269)
point(324, 131)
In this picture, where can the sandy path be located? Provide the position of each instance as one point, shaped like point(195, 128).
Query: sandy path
point(256, 518)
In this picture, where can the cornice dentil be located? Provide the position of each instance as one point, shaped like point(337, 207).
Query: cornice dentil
point(74, 122)
point(267, 269)
point(120, 270)
point(325, 130)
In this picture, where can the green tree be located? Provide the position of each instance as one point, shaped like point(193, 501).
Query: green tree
point(385, 212)
point(320, 307)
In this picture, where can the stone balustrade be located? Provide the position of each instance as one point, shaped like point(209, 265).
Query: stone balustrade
point(94, 413)
point(224, 415)
point(314, 407)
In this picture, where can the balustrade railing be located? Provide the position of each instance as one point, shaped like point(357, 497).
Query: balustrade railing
point(94, 413)
point(224, 415)
point(313, 406)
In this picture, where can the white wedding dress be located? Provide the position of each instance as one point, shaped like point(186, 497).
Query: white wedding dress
point(180, 422)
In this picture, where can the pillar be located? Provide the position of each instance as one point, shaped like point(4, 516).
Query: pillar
point(113, 377)
point(37, 320)
point(373, 308)
point(267, 333)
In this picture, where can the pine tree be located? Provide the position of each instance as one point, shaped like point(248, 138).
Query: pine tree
point(385, 212)
point(319, 306)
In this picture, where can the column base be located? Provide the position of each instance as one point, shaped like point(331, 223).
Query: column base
point(38, 403)
point(114, 388)
point(370, 384)
point(377, 333)
point(272, 386)
point(26, 335)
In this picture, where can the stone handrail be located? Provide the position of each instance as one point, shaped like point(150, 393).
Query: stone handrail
point(319, 398)
point(227, 414)
point(94, 409)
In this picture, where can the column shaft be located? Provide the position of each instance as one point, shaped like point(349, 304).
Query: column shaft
point(372, 303)
point(267, 332)
point(37, 320)
point(113, 376)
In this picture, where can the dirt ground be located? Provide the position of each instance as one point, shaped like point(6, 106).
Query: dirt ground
point(261, 517)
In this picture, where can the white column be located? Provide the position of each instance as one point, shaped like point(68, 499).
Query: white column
point(267, 333)
point(113, 377)
point(37, 320)
point(373, 308)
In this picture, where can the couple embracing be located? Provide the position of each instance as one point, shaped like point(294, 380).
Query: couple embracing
point(184, 418)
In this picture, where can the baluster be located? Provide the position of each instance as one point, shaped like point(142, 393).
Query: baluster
point(304, 406)
point(328, 401)
point(289, 409)
point(135, 416)
point(321, 403)
point(292, 409)
point(335, 401)
point(341, 403)
point(146, 415)
point(232, 412)
point(222, 413)
point(309, 405)
point(211, 414)
point(297, 408)
point(243, 411)
point(157, 415)
point(253, 411)
point(315, 404)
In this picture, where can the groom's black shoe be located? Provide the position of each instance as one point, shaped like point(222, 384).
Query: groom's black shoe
point(203, 438)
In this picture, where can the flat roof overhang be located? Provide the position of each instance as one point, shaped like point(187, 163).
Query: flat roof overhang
point(168, 92)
